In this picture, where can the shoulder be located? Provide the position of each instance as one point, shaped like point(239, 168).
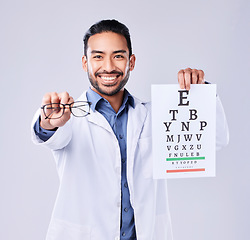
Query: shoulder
point(83, 97)
point(141, 103)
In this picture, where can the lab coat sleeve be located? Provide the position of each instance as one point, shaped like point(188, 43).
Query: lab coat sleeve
point(58, 140)
point(222, 133)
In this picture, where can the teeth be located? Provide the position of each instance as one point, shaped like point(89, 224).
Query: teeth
point(108, 78)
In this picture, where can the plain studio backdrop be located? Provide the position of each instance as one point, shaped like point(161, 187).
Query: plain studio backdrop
point(41, 50)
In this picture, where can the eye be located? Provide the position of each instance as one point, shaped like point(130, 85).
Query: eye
point(97, 57)
point(119, 56)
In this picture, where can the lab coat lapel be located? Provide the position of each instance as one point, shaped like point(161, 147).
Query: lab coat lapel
point(96, 117)
point(136, 119)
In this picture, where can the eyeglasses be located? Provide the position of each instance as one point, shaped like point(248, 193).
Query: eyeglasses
point(56, 110)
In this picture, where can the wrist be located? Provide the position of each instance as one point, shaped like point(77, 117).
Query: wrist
point(47, 126)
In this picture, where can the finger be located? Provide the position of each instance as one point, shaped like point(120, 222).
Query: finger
point(194, 76)
point(201, 76)
point(57, 108)
point(46, 99)
point(54, 97)
point(187, 78)
point(64, 97)
point(71, 100)
point(181, 79)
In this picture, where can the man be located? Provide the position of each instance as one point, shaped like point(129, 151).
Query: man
point(104, 159)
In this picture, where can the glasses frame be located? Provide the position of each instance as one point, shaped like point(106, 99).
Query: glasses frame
point(70, 105)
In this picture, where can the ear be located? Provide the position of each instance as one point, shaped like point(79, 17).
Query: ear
point(85, 63)
point(132, 62)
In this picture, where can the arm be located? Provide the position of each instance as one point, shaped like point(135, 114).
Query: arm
point(222, 133)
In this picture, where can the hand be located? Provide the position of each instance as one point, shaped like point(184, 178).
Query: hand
point(54, 97)
point(190, 76)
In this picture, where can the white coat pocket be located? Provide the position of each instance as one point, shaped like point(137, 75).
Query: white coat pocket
point(63, 230)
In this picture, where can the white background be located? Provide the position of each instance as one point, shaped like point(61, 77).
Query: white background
point(41, 50)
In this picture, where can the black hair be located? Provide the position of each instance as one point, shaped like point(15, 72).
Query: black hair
point(107, 26)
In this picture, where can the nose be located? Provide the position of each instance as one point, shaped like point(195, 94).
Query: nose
point(108, 65)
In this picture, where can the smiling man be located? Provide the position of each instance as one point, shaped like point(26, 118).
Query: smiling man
point(104, 160)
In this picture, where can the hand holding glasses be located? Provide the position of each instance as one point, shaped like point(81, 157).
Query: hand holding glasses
point(56, 110)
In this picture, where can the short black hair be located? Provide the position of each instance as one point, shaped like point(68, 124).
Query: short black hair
point(108, 26)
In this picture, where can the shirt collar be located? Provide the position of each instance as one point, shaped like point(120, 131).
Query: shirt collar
point(94, 98)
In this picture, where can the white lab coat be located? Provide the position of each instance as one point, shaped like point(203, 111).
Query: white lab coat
point(87, 156)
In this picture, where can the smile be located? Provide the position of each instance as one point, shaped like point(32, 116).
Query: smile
point(108, 78)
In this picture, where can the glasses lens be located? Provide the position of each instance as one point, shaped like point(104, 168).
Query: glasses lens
point(53, 110)
point(80, 109)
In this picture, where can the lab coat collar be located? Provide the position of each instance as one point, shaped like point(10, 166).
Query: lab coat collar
point(98, 119)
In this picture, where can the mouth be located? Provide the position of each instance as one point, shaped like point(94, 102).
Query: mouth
point(109, 79)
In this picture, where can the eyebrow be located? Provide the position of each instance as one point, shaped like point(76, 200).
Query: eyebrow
point(120, 51)
point(96, 51)
point(117, 51)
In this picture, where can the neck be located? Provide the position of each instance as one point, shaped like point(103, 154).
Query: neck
point(114, 100)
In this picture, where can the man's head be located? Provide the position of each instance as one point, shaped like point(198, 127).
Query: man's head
point(108, 57)
point(108, 26)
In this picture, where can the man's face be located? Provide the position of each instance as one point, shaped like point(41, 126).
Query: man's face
point(108, 63)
